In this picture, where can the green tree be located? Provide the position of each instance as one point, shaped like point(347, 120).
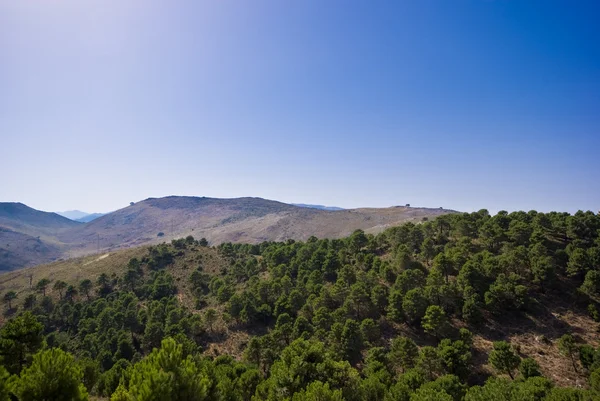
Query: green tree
point(494, 389)
point(4, 384)
point(42, 285)
point(447, 384)
point(428, 249)
point(131, 278)
point(591, 283)
point(210, 318)
point(578, 263)
point(359, 297)
point(471, 310)
point(435, 321)
point(529, 368)
point(503, 358)
point(430, 394)
point(595, 381)
point(455, 357)
point(370, 330)
point(9, 297)
point(53, 375)
point(71, 293)
point(371, 388)
point(90, 370)
point(302, 363)
point(166, 375)
point(568, 394)
point(543, 270)
point(429, 362)
point(109, 380)
point(414, 304)
point(379, 298)
point(403, 353)
point(104, 284)
point(352, 341)
point(535, 388)
point(59, 286)
point(85, 286)
point(20, 338)
point(398, 392)
point(253, 351)
point(568, 347)
point(506, 293)
point(29, 302)
point(444, 264)
point(317, 391)
point(394, 308)
point(587, 356)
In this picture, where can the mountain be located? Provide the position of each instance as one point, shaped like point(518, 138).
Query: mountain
point(73, 214)
point(21, 218)
point(332, 208)
point(89, 217)
point(29, 236)
point(78, 215)
point(248, 220)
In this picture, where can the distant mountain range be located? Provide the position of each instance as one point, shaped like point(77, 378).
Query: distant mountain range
point(78, 215)
point(321, 207)
point(29, 236)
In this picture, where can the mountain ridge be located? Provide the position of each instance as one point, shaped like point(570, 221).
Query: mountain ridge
point(154, 220)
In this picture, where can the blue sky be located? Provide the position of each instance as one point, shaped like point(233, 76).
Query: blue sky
point(461, 104)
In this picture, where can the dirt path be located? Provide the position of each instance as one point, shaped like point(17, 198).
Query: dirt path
point(95, 260)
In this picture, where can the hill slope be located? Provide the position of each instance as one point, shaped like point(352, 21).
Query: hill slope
point(249, 220)
point(22, 218)
point(29, 236)
point(436, 297)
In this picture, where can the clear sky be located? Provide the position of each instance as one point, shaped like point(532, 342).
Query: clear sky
point(465, 104)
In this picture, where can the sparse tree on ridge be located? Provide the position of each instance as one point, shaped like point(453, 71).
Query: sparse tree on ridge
point(42, 285)
point(9, 297)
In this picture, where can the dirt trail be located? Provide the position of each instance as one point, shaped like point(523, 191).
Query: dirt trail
point(97, 259)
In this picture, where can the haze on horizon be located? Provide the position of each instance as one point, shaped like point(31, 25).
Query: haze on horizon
point(465, 105)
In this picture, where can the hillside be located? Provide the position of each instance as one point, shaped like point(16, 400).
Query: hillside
point(248, 220)
point(436, 308)
point(22, 218)
point(29, 236)
point(18, 250)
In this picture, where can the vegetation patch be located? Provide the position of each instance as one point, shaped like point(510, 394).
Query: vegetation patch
point(465, 307)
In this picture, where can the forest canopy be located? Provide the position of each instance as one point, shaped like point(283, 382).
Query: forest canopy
point(401, 315)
